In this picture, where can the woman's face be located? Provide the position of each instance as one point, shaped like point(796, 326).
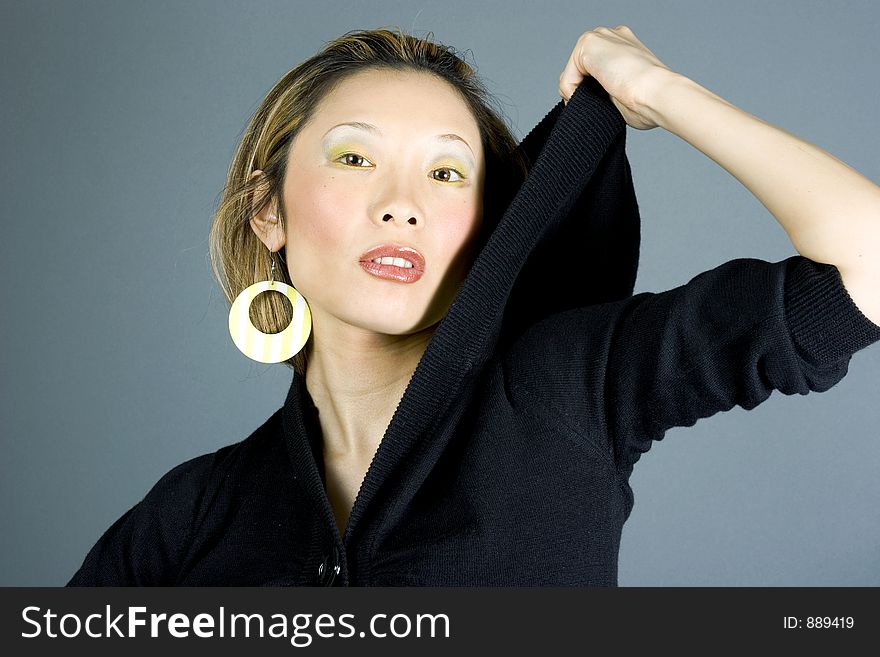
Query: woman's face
point(410, 177)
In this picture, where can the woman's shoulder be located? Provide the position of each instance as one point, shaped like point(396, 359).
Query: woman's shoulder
point(147, 544)
point(190, 478)
point(550, 363)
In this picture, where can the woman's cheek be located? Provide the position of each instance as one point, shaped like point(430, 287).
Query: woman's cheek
point(460, 223)
point(329, 218)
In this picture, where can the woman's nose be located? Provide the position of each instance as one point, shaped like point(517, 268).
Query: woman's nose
point(397, 202)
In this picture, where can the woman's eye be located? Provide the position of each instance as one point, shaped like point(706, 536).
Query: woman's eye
point(353, 159)
point(449, 177)
point(447, 174)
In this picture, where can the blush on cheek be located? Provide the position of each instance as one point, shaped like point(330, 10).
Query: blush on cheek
point(457, 238)
point(325, 222)
point(460, 226)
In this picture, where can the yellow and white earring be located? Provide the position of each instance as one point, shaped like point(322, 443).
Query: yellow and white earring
point(269, 347)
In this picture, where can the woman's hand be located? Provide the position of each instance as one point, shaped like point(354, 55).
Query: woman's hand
point(624, 67)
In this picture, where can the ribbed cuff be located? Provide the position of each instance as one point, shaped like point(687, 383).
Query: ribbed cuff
point(824, 321)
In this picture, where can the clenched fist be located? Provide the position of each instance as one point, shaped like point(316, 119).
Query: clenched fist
point(625, 68)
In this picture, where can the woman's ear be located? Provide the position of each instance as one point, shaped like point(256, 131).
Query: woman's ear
point(265, 222)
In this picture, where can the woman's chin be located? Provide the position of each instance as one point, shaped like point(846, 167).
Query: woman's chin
point(398, 326)
point(394, 316)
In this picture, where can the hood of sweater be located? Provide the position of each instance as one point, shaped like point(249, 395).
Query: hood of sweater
point(574, 218)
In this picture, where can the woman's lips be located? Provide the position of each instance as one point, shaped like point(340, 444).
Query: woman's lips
point(390, 271)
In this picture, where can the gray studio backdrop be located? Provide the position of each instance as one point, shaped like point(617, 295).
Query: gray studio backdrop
point(119, 120)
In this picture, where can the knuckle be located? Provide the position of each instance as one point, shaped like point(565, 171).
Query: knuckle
point(588, 37)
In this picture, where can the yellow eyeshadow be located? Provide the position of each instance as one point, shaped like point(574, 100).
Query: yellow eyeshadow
point(339, 150)
point(461, 167)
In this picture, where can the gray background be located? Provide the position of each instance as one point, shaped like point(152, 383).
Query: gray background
point(119, 120)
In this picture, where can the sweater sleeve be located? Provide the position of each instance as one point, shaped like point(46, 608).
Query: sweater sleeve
point(618, 375)
point(730, 336)
point(144, 547)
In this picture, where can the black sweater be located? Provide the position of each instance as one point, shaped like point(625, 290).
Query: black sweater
point(508, 459)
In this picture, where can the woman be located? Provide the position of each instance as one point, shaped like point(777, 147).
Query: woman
point(459, 414)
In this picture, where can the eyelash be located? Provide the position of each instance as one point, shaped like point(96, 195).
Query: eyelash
point(460, 175)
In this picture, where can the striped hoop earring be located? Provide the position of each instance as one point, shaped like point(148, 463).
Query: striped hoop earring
point(269, 347)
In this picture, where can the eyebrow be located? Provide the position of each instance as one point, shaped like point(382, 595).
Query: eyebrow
point(369, 127)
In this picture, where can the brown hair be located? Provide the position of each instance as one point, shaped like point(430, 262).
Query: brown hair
point(238, 257)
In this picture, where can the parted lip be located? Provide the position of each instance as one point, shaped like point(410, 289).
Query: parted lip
point(395, 251)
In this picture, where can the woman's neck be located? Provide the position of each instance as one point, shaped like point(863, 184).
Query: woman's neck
point(356, 379)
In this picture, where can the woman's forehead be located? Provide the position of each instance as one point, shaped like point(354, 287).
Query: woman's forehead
point(379, 101)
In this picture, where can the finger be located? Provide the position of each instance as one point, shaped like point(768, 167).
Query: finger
point(573, 73)
point(568, 79)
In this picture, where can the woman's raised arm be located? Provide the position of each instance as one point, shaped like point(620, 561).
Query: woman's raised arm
point(830, 212)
